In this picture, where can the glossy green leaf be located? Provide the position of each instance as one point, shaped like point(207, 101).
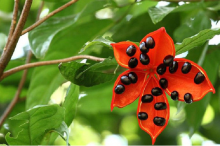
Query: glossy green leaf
point(47, 79)
point(158, 13)
point(86, 74)
point(195, 111)
point(70, 103)
point(97, 42)
point(63, 131)
point(193, 26)
point(196, 40)
point(36, 121)
point(39, 41)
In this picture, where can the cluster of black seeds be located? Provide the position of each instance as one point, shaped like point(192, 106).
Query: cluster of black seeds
point(187, 97)
point(144, 58)
point(173, 66)
point(126, 80)
point(148, 98)
point(167, 62)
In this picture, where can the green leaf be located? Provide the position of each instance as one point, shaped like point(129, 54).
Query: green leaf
point(37, 121)
point(196, 40)
point(193, 26)
point(63, 131)
point(99, 41)
point(86, 74)
point(158, 13)
point(46, 79)
point(70, 103)
point(39, 41)
point(195, 111)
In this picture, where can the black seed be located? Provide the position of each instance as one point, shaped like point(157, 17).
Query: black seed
point(159, 121)
point(156, 91)
point(168, 60)
point(125, 80)
point(150, 42)
point(173, 67)
point(174, 95)
point(143, 48)
point(199, 78)
point(133, 62)
point(163, 83)
point(161, 69)
point(188, 98)
point(119, 89)
point(160, 106)
point(133, 77)
point(131, 50)
point(142, 116)
point(144, 59)
point(186, 67)
point(147, 98)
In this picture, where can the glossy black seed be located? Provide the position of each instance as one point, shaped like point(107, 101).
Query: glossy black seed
point(160, 106)
point(168, 60)
point(144, 59)
point(161, 69)
point(147, 98)
point(186, 67)
point(133, 77)
point(143, 48)
point(199, 78)
point(150, 42)
point(156, 91)
point(173, 67)
point(174, 95)
point(142, 116)
point(188, 98)
point(119, 89)
point(133, 62)
point(131, 50)
point(163, 83)
point(125, 80)
point(159, 121)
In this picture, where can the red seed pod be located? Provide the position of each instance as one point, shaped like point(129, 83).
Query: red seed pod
point(182, 79)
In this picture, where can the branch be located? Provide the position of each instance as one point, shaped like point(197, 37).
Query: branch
point(13, 22)
point(48, 16)
point(17, 94)
point(30, 65)
point(6, 56)
point(22, 81)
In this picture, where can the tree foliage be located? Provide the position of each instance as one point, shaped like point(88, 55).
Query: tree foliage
point(48, 104)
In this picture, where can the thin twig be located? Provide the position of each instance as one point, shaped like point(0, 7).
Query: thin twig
point(13, 22)
point(6, 56)
point(35, 64)
point(22, 81)
point(17, 94)
point(48, 16)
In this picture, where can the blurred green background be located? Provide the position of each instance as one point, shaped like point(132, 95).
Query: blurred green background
point(74, 31)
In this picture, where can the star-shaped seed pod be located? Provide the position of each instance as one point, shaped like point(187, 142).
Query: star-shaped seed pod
point(152, 71)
